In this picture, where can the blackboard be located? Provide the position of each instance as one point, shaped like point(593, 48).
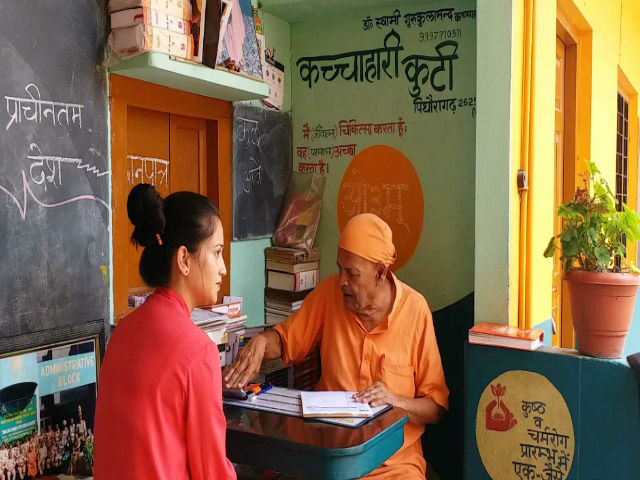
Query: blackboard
point(54, 166)
point(261, 169)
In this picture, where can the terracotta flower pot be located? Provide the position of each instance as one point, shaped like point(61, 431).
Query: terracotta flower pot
point(602, 307)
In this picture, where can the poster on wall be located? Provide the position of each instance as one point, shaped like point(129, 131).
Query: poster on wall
point(47, 405)
point(239, 49)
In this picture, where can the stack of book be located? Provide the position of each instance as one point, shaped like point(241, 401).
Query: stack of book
point(498, 335)
point(224, 324)
point(291, 274)
point(214, 325)
point(151, 25)
point(279, 304)
point(186, 29)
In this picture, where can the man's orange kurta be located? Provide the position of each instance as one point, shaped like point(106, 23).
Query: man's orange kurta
point(401, 352)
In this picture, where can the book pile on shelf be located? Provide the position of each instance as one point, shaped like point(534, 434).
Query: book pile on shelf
point(137, 299)
point(291, 274)
point(139, 26)
point(224, 324)
point(201, 31)
point(186, 29)
point(498, 335)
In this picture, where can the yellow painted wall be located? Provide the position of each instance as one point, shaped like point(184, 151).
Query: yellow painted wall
point(541, 165)
point(615, 26)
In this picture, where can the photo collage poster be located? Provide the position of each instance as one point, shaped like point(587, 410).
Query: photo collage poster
point(47, 405)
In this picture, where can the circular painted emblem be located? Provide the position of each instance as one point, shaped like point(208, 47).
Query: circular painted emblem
point(381, 180)
point(524, 428)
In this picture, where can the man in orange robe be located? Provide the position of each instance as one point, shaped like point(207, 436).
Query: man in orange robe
point(376, 337)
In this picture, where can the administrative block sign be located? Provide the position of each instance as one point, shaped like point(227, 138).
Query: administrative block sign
point(65, 373)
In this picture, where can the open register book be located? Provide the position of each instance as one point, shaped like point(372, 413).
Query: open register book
point(333, 404)
point(287, 401)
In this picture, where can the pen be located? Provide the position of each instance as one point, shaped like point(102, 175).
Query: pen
point(265, 389)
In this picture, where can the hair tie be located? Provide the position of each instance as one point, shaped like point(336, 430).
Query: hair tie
point(159, 239)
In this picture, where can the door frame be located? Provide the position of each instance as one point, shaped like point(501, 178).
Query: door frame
point(575, 32)
point(126, 92)
point(563, 161)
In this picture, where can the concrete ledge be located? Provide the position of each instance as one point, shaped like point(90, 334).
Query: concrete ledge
point(602, 397)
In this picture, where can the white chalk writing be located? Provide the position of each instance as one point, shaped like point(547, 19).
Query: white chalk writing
point(147, 170)
point(34, 109)
point(44, 168)
point(252, 176)
point(248, 134)
point(28, 193)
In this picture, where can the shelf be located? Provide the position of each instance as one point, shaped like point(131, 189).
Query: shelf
point(158, 68)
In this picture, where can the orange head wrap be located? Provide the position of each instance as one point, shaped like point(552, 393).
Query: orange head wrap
point(369, 237)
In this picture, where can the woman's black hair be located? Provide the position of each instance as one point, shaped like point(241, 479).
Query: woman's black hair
point(162, 226)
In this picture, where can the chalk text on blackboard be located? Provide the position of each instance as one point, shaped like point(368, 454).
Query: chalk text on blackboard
point(147, 170)
point(34, 109)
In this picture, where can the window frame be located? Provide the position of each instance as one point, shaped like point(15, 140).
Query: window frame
point(626, 89)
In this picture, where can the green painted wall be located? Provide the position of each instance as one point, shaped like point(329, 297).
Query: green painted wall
point(247, 257)
point(295, 11)
point(493, 163)
point(441, 146)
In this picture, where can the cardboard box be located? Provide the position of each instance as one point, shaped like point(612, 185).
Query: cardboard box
point(130, 41)
point(147, 16)
point(176, 8)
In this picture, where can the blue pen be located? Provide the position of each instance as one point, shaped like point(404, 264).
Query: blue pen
point(265, 389)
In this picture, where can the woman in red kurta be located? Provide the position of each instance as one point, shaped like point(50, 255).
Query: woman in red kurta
point(159, 409)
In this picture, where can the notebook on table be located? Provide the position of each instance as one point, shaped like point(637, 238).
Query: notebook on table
point(287, 401)
point(333, 404)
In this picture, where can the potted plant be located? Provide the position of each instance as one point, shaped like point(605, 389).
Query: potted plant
point(602, 284)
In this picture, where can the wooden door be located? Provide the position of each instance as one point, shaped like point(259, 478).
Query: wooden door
point(188, 140)
point(148, 161)
point(167, 151)
point(556, 287)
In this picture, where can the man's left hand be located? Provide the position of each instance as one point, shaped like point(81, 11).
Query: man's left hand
point(376, 395)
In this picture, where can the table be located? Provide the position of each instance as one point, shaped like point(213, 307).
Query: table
point(309, 449)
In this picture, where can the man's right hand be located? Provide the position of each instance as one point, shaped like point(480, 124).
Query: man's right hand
point(247, 364)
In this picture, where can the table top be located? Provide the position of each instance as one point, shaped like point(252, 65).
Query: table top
point(310, 433)
point(312, 449)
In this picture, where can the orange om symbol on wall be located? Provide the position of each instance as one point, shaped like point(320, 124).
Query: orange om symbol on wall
point(381, 180)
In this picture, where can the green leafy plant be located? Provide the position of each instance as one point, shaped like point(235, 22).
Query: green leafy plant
point(593, 231)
